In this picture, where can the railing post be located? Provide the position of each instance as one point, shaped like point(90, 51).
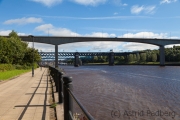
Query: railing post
point(60, 90)
point(68, 103)
point(53, 76)
point(52, 73)
point(56, 78)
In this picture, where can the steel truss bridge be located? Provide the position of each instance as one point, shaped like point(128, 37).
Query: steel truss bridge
point(62, 55)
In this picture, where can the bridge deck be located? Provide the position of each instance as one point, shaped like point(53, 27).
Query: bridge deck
point(28, 98)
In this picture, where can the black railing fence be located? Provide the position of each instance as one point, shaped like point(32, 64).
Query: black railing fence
point(66, 96)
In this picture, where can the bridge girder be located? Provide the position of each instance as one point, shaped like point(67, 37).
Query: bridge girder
point(57, 40)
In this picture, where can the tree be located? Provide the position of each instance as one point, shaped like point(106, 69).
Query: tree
point(122, 58)
point(15, 51)
point(28, 57)
point(148, 56)
point(95, 58)
point(178, 57)
point(3, 50)
point(130, 58)
point(143, 57)
point(138, 57)
point(14, 35)
point(134, 57)
point(154, 57)
point(104, 58)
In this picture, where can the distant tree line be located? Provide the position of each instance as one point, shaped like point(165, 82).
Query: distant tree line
point(16, 52)
point(171, 55)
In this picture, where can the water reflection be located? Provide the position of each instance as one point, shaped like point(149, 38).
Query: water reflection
point(110, 92)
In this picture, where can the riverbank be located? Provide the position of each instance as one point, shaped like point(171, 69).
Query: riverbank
point(140, 63)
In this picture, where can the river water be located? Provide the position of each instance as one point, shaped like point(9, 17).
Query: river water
point(128, 92)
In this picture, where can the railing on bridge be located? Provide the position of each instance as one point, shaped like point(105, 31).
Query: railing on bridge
point(65, 95)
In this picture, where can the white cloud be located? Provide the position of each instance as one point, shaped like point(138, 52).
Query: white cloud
point(54, 31)
point(167, 1)
point(138, 46)
point(136, 9)
point(144, 35)
point(44, 27)
point(92, 46)
point(42, 47)
point(150, 9)
point(106, 45)
point(141, 46)
point(89, 2)
point(48, 3)
point(125, 4)
point(50, 29)
point(170, 46)
point(119, 2)
point(22, 34)
point(24, 20)
point(6, 32)
point(100, 34)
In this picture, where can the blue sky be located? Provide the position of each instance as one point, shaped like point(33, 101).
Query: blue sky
point(100, 18)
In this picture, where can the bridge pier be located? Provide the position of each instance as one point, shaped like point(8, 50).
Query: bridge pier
point(76, 59)
point(111, 58)
point(56, 56)
point(162, 56)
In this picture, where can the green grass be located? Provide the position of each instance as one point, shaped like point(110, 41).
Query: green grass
point(10, 74)
point(147, 63)
point(137, 63)
point(172, 62)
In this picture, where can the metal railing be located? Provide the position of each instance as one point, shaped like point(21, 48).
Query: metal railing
point(64, 88)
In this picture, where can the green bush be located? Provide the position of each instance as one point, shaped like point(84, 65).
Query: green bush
point(9, 67)
point(22, 67)
point(6, 67)
point(18, 67)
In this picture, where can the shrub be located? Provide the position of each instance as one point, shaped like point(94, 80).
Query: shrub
point(6, 67)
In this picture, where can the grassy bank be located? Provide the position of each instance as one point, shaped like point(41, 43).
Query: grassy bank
point(10, 74)
point(97, 63)
point(125, 63)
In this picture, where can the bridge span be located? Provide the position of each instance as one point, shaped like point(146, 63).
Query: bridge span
point(58, 40)
point(51, 55)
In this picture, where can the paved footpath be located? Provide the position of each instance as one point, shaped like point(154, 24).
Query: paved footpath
point(26, 97)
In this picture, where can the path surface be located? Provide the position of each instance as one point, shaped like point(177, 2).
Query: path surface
point(26, 97)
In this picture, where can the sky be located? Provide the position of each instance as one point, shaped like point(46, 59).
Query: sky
point(98, 18)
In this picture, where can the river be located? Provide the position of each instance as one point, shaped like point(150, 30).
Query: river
point(128, 92)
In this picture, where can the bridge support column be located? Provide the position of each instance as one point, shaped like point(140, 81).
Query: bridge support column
point(76, 59)
point(56, 56)
point(162, 56)
point(111, 58)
